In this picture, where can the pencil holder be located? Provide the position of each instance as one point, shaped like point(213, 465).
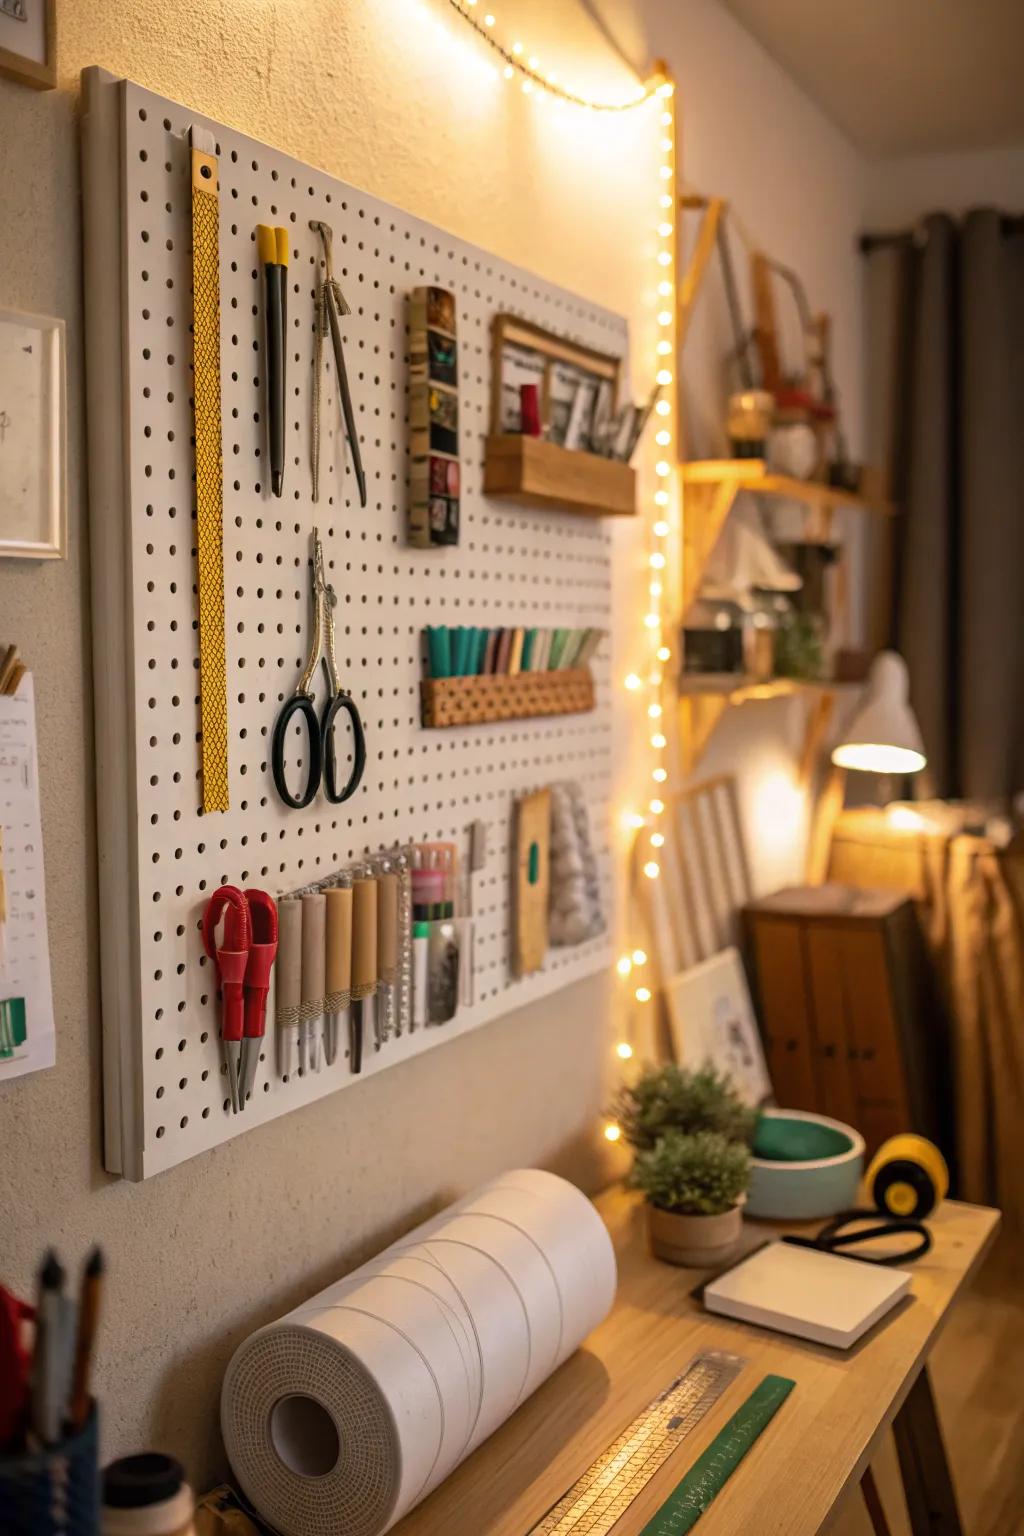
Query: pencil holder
point(475, 700)
point(54, 1492)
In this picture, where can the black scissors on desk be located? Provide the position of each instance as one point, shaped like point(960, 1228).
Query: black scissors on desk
point(322, 757)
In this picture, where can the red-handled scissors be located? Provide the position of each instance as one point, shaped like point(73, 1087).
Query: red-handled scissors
point(244, 957)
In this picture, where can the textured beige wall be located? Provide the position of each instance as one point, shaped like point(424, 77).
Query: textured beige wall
point(372, 92)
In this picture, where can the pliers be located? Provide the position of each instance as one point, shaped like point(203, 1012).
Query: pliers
point(244, 958)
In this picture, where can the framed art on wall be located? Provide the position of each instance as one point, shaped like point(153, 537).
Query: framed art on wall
point(33, 492)
point(28, 49)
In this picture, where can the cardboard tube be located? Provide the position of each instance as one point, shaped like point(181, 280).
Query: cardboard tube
point(387, 926)
point(339, 940)
point(364, 938)
point(314, 952)
point(289, 959)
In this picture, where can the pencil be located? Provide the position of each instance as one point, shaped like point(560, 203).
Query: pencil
point(88, 1316)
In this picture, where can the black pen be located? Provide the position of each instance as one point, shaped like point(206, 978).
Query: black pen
point(272, 245)
point(48, 1355)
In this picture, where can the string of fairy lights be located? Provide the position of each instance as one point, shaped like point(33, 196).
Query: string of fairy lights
point(519, 62)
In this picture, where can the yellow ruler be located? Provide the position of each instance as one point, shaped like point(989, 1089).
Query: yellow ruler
point(213, 687)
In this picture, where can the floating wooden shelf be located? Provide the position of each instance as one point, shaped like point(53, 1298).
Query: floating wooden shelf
point(538, 473)
point(703, 701)
point(476, 700)
point(711, 488)
point(753, 475)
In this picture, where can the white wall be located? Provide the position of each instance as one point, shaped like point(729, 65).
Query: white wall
point(205, 1253)
point(902, 190)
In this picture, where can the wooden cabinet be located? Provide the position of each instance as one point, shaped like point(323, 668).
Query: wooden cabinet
point(849, 1009)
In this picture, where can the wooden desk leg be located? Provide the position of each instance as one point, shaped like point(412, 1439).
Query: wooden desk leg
point(931, 1498)
point(873, 1504)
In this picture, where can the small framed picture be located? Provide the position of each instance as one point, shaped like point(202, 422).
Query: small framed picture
point(28, 48)
point(33, 409)
point(711, 1018)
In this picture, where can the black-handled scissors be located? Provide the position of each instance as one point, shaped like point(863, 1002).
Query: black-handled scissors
point(320, 731)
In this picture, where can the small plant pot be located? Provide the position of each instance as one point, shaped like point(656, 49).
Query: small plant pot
point(697, 1242)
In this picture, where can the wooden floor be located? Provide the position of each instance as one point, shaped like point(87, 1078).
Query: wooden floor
point(978, 1377)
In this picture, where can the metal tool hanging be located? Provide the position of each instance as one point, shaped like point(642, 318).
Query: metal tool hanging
point(322, 756)
point(330, 306)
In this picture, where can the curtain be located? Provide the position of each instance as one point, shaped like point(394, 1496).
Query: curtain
point(970, 898)
point(954, 344)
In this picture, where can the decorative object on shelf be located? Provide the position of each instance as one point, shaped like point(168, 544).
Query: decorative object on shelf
point(531, 878)
point(694, 1186)
point(433, 418)
point(799, 646)
point(749, 422)
point(28, 42)
point(711, 1018)
point(713, 639)
point(575, 914)
point(804, 1167)
point(883, 736)
point(792, 449)
point(33, 451)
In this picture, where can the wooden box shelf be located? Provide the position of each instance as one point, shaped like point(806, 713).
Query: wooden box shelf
point(537, 473)
point(449, 701)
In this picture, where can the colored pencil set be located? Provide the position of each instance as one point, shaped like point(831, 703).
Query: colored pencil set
point(466, 652)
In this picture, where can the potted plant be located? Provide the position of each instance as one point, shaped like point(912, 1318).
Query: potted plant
point(695, 1186)
point(673, 1098)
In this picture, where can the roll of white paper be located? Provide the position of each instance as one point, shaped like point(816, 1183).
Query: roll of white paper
point(348, 1411)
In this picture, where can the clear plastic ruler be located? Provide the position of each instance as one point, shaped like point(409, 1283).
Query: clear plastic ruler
point(605, 1491)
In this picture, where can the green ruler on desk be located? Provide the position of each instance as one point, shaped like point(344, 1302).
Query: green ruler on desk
point(710, 1472)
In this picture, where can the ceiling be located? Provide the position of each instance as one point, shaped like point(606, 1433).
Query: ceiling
point(902, 77)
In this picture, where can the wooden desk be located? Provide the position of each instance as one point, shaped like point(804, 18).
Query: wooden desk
point(820, 1443)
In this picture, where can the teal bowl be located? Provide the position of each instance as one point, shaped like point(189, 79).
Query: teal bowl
point(804, 1167)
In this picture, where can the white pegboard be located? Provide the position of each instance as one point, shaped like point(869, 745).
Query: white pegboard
point(166, 1096)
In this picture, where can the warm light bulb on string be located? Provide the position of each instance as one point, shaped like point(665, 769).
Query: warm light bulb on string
point(612, 1132)
point(639, 957)
point(624, 1050)
point(624, 965)
point(642, 994)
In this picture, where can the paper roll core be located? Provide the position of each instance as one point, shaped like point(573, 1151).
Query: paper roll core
point(304, 1435)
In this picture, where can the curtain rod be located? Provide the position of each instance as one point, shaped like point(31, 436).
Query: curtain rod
point(884, 239)
point(869, 242)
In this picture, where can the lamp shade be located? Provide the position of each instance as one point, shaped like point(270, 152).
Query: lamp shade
point(884, 736)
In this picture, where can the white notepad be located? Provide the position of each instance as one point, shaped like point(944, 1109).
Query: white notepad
point(814, 1295)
